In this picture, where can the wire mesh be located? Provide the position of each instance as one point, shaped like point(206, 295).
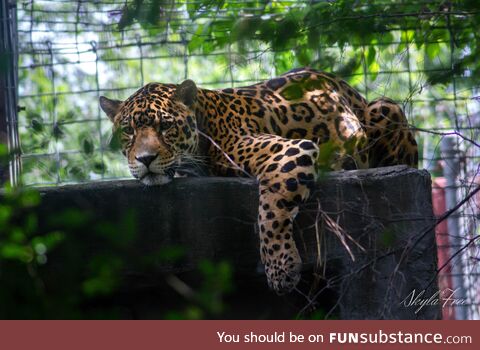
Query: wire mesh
point(71, 52)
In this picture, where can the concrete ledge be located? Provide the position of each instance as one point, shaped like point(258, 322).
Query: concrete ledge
point(388, 212)
point(384, 210)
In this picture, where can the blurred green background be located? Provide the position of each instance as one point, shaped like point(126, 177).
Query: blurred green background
point(423, 54)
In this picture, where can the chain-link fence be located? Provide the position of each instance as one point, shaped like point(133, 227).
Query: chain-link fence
point(71, 52)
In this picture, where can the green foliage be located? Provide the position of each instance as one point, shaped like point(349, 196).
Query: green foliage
point(54, 264)
point(208, 300)
point(327, 154)
point(306, 29)
point(293, 92)
point(19, 240)
point(407, 50)
point(171, 253)
point(147, 12)
point(217, 281)
point(104, 275)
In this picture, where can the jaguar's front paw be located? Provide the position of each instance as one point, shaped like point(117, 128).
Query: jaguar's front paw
point(283, 272)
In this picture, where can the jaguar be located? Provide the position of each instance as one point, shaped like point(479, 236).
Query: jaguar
point(284, 132)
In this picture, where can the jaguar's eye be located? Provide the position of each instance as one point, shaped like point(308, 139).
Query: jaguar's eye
point(127, 129)
point(165, 125)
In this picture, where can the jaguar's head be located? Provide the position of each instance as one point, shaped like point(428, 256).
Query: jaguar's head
point(157, 129)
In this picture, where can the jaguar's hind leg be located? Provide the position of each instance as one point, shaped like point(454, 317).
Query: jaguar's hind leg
point(390, 139)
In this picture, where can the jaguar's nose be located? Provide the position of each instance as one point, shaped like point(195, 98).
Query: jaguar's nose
point(147, 160)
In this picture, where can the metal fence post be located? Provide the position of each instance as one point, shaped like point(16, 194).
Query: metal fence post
point(8, 90)
point(451, 171)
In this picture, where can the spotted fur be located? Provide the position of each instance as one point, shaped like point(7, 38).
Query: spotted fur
point(283, 131)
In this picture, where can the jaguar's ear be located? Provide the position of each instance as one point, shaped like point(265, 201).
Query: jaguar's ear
point(110, 107)
point(186, 93)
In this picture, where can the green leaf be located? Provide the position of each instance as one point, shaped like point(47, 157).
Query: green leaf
point(14, 251)
point(77, 172)
point(67, 116)
point(87, 146)
point(30, 223)
point(292, 92)
point(371, 55)
point(5, 214)
point(327, 154)
point(50, 240)
point(433, 50)
point(440, 77)
point(57, 132)
point(106, 275)
point(407, 36)
point(245, 28)
point(29, 198)
point(373, 69)
point(3, 150)
point(17, 235)
point(169, 254)
point(36, 125)
point(70, 218)
point(98, 167)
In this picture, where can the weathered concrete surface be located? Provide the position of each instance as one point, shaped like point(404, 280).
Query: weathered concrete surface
point(388, 212)
point(384, 210)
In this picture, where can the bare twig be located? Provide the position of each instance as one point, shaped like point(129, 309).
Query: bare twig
point(230, 160)
point(450, 133)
